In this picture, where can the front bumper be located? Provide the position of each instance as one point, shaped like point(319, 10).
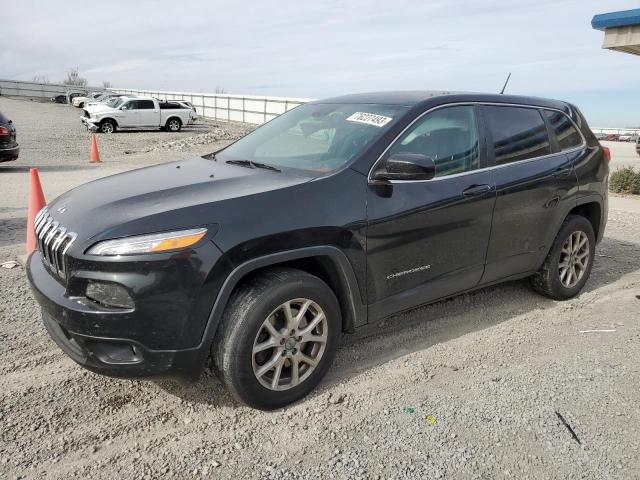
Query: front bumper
point(91, 126)
point(9, 154)
point(118, 342)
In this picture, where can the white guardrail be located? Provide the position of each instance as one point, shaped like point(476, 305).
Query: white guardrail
point(18, 88)
point(221, 106)
point(617, 131)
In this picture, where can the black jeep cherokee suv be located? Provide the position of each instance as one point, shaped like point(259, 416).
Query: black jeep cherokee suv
point(337, 213)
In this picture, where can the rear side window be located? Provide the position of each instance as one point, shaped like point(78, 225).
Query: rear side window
point(567, 135)
point(518, 133)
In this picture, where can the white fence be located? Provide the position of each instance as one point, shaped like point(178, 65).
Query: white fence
point(221, 106)
point(617, 131)
point(38, 90)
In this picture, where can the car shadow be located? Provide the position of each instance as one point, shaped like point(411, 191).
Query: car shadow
point(47, 168)
point(185, 129)
point(423, 327)
point(12, 230)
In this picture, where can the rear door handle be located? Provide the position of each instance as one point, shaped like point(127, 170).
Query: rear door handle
point(476, 190)
point(561, 172)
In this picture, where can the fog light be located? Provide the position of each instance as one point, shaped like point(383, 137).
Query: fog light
point(109, 295)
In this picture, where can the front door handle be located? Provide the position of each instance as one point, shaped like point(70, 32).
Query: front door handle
point(476, 190)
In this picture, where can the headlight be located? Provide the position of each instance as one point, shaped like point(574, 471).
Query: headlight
point(157, 242)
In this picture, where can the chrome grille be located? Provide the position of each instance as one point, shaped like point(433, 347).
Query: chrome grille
point(53, 240)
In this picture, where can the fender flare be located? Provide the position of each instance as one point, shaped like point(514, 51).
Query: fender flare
point(600, 200)
point(591, 198)
point(172, 117)
point(115, 122)
point(348, 277)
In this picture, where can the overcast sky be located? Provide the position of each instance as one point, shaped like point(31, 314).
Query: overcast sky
point(323, 48)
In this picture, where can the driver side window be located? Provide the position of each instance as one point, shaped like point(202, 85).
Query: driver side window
point(448, 135)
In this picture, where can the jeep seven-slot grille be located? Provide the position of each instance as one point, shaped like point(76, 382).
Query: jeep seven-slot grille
point(53, 241)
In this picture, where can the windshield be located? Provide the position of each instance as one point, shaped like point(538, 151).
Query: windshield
point(315, 137)
point(114, 102)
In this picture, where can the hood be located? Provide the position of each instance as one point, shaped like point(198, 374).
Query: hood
point(175, 195)
point(97, 107)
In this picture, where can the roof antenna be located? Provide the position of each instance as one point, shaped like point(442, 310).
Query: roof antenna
point(505, 84)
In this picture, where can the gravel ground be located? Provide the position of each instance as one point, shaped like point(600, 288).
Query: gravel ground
point(624, 154)
point(480, 386)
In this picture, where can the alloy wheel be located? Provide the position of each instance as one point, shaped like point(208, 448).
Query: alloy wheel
point(290, 344)
point(574, 259)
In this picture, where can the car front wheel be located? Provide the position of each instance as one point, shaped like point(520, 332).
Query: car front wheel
point(568, 264)
point(278, 337)
point(107, 126)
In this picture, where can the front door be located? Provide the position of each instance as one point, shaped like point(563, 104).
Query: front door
point(428, 239)
point(129, 118)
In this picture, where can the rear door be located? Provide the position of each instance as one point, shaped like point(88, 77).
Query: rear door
point(428, 239)
point(149, 113)
point(535, 182)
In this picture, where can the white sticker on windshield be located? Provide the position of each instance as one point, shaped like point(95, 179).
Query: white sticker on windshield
point(370, 119)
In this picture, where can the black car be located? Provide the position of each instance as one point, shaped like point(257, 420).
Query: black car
point(9, 148)
point(333, 215)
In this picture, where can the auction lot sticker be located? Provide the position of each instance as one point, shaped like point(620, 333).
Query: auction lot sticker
point(370, 119)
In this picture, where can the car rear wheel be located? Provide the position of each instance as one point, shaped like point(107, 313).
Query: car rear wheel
point(568, 264)
point(107, 126)
point(278, 337)
point(173, 125)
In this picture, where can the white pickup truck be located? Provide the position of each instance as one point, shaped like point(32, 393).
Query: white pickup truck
point(137, 113)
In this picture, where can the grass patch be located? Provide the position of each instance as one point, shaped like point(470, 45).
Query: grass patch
point(625, 180)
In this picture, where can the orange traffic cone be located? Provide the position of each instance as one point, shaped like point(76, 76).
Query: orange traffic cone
point(95, 155)
point(36, 202)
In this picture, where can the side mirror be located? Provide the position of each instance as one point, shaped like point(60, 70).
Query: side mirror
point(407, 166)
point(124, 107)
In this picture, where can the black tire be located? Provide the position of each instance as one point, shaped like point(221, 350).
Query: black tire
point(107, 126)
point(242, 323)
point(81, 105)
point(546, 281)
point(173, 125)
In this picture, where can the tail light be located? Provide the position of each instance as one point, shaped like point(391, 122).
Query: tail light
point(4, 131)
point(607, 153)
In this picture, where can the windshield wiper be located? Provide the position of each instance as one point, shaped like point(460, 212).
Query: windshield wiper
point(252, 164)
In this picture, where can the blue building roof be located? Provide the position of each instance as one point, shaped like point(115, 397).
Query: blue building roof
point(616, 19)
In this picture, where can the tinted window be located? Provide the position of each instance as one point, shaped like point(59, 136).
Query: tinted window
point(448, 136)
point(145, 104)
point(3, 119)
point(567, 135)
point(518, 133)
